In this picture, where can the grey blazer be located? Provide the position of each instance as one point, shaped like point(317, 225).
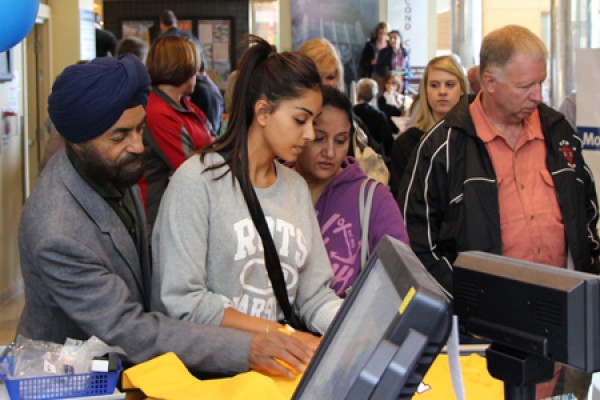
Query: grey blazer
point(83, 277)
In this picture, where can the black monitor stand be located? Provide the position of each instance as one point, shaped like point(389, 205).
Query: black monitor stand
point(519, 371)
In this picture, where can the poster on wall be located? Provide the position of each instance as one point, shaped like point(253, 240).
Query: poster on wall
point(138, 28)
point(185, 25)
point(215, 37)
point(410, 18)
point(347, 24)
point(588, 98)
point(588, 112)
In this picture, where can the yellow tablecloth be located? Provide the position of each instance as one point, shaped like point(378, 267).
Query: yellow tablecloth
point(166, 377)
point(477, 381)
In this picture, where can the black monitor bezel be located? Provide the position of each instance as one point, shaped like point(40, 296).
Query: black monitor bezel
point(480, 277)
point(409, 274)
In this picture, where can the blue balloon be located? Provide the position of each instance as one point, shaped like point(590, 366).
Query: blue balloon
point(16, 20)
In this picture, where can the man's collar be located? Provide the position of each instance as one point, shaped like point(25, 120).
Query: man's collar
point(530, 126)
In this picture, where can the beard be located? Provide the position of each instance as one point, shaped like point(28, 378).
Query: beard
point(122, 174)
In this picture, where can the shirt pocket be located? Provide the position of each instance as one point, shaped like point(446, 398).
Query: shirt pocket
point(547, 178)
point(549, 203)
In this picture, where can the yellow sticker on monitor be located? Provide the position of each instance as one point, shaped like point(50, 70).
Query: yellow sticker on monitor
point(407, 300)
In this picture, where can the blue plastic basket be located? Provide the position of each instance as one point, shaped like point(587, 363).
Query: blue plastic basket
point(61, 386)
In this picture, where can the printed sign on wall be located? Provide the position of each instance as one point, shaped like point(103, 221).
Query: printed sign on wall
point(411, 18)
point(588, 98)
point(588, 112)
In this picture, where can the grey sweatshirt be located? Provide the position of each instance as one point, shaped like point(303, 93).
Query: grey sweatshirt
point(208, 255)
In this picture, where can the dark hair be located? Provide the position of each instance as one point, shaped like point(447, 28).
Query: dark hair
point(380, 25)
point(133, 45)
point(335, 98)
point(263, 73)
point(397, 32)
point(167, 17)
point(172, 60)
point(202, 59)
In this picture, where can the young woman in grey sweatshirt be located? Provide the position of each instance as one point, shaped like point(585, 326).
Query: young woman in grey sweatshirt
point(208, 257)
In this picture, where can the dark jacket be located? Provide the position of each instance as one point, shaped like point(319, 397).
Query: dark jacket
point(402, 149)
point(383, 66)
point(175, 31)
point(449, 197)
point(390, 111)
point(369, 52)
point(209, 99)
point(106, 43)
point(384, 61)
point(377, 124)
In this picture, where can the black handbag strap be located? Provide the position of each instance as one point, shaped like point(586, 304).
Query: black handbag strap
point(272, 262)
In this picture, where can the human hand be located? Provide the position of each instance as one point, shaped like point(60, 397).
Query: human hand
point(279, 354)
point(311, 341)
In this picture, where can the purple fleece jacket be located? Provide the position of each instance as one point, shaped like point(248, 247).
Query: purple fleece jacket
point(338, 215)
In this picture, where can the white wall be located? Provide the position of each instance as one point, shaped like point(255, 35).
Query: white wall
point(11, 178)
point(66, 36)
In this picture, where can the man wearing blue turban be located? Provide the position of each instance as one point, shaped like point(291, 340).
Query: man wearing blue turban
point(82, 235)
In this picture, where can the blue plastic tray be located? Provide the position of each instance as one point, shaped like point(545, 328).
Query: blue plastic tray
point(61, 386)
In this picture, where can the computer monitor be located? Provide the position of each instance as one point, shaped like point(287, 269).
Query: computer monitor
point(533, 314)
point(387, 333)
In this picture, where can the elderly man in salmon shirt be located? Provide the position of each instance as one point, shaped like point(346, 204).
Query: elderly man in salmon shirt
point(504, 174)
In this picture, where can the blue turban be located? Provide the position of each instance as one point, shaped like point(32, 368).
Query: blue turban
point(87, 99)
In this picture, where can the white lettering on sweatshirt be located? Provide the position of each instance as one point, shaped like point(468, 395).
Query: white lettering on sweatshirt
point(257, 298)
point(248, 241)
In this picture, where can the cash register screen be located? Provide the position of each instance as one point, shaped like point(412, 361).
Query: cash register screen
point(369, 315)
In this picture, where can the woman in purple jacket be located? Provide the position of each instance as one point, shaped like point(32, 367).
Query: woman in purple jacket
point(334, 180)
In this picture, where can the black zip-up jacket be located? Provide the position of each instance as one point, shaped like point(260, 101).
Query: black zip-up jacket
point(449, 194)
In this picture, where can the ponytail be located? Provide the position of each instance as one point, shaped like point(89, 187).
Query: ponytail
point(263, 73)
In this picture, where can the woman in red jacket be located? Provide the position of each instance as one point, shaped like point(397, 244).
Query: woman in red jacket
point(176, 128)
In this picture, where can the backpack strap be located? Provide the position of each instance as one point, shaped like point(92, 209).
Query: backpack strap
point(364, 212)
point(272, 262)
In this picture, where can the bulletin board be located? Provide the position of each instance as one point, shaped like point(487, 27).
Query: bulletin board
point(215, 37)
point(186, 25)
point(214, 34)
point(140, 28)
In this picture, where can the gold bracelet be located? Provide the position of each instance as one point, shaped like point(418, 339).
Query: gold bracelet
point(267, 327)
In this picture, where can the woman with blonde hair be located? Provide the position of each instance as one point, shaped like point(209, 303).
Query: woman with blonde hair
point(443, 85)
point(329, 64)
point(327, 59)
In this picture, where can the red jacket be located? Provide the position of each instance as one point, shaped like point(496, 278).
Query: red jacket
point(177, 131)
